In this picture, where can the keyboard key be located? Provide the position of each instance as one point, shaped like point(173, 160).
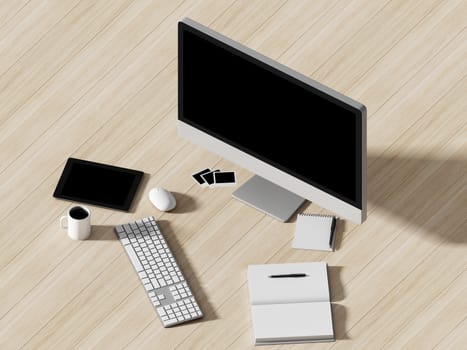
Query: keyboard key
point(155, 283)
point(134, 259)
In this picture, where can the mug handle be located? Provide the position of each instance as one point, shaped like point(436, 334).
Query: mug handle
point(61, 222)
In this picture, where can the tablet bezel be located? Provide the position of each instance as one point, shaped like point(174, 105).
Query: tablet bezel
point(137, 177)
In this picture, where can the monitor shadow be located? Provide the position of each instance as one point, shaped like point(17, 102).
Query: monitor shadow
point(407, 186)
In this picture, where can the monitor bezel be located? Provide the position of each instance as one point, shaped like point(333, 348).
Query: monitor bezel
point(358, 207)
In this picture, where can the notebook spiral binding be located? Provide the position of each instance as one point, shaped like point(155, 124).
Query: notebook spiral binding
point(319, 215)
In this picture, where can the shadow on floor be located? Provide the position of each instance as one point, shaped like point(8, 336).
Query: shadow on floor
point(336, 286)
point(416, 189)
point(339, 319)
point(185, 203)
point(140, 193)
point(185, 266)
point(102, 233)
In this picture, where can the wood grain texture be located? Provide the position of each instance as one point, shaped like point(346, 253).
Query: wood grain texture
point(98, 80)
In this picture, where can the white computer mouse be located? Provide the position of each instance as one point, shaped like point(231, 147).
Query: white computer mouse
point(162, 199)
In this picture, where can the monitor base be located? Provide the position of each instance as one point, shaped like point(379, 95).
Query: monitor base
point(269, 198)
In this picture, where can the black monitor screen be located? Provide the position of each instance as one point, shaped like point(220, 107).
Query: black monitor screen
point(270, 115)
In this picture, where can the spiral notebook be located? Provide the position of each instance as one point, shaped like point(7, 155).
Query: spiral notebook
point(315, 232)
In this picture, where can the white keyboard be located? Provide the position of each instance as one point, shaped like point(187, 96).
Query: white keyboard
point(158, 271)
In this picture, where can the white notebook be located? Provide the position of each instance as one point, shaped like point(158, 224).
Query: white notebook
point(315, 232)
point(290, 309)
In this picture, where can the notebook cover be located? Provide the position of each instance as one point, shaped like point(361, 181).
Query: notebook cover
point(300, 322)
point(266, 290)
point(290, 309)
point(314, 232)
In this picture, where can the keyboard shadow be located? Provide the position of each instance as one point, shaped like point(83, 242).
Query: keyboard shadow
point(190, 276)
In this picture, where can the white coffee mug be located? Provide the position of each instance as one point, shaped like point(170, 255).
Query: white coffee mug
point(77, 222)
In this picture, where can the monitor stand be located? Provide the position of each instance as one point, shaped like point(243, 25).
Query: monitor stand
point(268, 198)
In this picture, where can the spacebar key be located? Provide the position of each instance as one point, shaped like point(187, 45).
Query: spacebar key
point(133, 257)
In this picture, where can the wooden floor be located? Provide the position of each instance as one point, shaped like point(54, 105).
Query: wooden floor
point(98, 80)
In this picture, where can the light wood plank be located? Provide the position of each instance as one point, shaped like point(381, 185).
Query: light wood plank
point(456, 339)
point(382, 31)
point(446, 312)
point(28, 74)
point(9, 9)
point(34, 20)
point(429, 39)
point(75, 80)
point(98, 80)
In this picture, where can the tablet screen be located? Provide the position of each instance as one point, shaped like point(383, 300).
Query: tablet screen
point(98, 184)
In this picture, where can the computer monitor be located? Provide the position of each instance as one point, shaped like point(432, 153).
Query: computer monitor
point(302, 139)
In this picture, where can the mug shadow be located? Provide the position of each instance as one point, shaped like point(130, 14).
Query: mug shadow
point(102, 233)
point(406, 186)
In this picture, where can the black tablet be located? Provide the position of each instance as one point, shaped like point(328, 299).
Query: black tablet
point(98, 184)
